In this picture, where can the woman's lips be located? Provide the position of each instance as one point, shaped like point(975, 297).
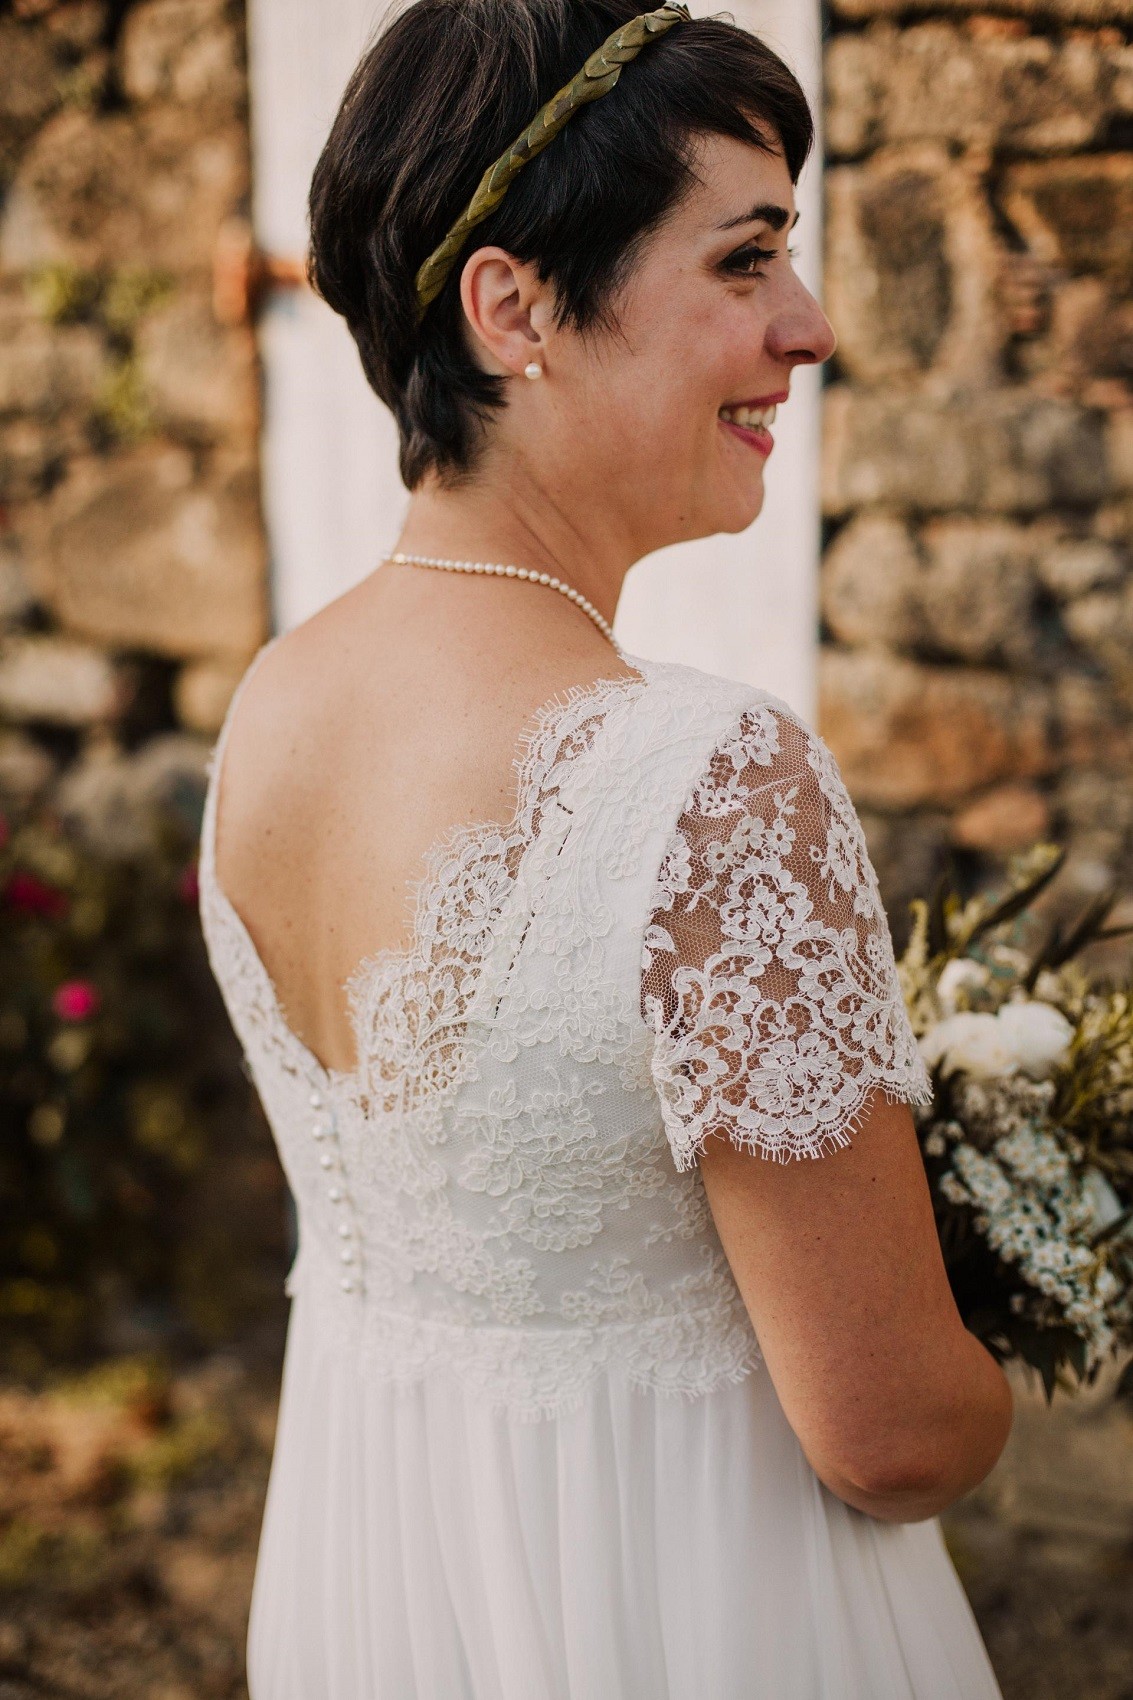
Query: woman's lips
point(757, 437)
point(751, 421)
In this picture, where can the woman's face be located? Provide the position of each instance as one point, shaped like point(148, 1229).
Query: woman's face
point(649, 421)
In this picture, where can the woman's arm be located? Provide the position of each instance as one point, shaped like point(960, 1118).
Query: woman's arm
point(897, 1407)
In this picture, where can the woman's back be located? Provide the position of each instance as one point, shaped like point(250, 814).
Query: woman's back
point(368, 735)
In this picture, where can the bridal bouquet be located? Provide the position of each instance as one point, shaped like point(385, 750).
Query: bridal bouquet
point(1028, 1143)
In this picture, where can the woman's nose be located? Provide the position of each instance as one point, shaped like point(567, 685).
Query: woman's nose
point(802, 331)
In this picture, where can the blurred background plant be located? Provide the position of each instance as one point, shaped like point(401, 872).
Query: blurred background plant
point(123, 1104)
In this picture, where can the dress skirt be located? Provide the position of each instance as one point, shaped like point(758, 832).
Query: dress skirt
point(419, 1543)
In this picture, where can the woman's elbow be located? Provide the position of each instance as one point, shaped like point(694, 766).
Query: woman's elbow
point(912, 1474)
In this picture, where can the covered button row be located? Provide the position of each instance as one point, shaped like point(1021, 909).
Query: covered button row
point(323, 1132)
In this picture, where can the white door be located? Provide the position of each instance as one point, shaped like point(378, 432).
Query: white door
point(744, 605)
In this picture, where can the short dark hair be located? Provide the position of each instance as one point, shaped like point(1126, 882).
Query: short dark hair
point(439, 95)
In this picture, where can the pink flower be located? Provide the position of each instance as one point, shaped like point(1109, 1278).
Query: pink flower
point(75, 1000)
point(188, 886)
point(32, 896)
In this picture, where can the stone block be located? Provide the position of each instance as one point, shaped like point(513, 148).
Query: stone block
point(1096, 12)
point(1101, 624)
point(144, 189)
point(29, 86)
point(32, 450)
point(204, 690)
point(183, 50)
point(199, 377)
point(888, 278)
point(16, 598)
point(909, 736)
point(45, 368)
point(1000, 452)
point(1119, 449)
point(935, 82)
point(1076, 213)
point(977, 592)
point(1071, 566)
point(1091, 332)
point(1094, 730)
point(913, 271)
point(1007, 818)
point(854, 83)
point(58, 680)
point(870, 582)
point(142, 552)
point(962, 588)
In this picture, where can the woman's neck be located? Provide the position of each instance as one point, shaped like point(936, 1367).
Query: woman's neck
point(509, 521)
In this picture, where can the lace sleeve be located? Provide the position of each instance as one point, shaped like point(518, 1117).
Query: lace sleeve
point(768, 977)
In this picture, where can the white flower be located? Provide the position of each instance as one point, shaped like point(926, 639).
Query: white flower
point(1030, 1036)
point(975, 1043)
point(1037, 1034)
point(1105, 1206)
point(959, 975)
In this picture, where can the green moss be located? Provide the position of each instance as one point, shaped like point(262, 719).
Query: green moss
point(118, 299)
point(129, 294)
point(31, 1555)
point(122, 409)
point(62, 294)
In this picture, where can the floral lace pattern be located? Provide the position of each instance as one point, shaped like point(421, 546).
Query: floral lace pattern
point(768, 971)
point(491, 1192)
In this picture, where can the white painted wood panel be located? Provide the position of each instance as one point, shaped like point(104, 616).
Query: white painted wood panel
point(744, 606)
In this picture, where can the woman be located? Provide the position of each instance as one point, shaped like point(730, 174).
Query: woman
point(539, 951)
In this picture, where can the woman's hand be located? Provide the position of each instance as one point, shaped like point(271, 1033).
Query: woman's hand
point(898, 1408)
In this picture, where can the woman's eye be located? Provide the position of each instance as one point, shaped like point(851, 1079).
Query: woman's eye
point(746, 261)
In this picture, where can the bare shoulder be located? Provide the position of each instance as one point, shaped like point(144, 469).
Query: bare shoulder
point(394, 679)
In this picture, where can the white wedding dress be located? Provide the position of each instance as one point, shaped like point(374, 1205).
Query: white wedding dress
point(527, 1449)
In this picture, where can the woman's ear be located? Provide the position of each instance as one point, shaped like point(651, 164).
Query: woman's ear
point(503, 301)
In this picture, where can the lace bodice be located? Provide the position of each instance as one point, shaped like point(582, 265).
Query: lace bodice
point(678, 934)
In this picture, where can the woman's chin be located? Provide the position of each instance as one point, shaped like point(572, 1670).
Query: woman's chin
point(741, 507)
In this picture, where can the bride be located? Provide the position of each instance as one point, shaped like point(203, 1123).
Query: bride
point(622, 1363)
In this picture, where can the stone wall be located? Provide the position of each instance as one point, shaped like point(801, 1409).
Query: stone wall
point(977, 586)
point(977, 677)
point(132, 572)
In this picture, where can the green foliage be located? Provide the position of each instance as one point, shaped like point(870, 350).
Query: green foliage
point(119, 1083)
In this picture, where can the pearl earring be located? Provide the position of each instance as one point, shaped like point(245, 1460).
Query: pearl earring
point(533, 370)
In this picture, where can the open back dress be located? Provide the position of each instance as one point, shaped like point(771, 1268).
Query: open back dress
point(527, 1448)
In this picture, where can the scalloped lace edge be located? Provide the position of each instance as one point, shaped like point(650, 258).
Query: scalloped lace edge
point(822, 1144)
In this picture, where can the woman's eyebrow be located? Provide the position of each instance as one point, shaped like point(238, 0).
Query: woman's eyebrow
point(766, 212)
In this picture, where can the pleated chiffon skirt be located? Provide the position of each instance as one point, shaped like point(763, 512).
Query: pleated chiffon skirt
point(419, 1544)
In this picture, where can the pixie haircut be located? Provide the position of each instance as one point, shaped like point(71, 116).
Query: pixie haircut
point(443, 90)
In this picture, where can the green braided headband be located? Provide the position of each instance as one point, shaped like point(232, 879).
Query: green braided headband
point(597, 77)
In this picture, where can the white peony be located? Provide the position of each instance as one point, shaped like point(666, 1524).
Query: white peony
point(1037, 1034)
point(975, 1043)
point(959, 975)
point(1033, 1037)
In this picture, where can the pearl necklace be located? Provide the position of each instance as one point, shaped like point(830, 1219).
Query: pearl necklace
point(512, 572)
